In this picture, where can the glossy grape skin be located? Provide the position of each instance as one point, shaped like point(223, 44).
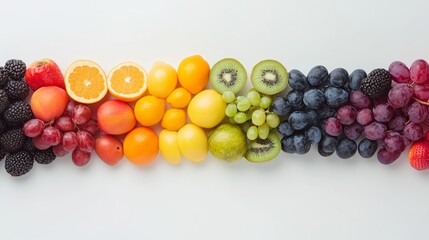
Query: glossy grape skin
point(69, 141)
point(297, 80)
point(302, 145)
point(399, 72)
point(64, 124)
point(421, 91)
point(375, 131)
point(413, 131)
point(333, 126)
point(419, 72)
point(91, 126)
point(359, 100)
point(385, 157)
point(367, 148)
point(281, 106)
point(356, 78)
point(299, 120)
point(417, 113)
point(364, 117)
point(295, 98)
point(346, 114)
point(314, 98)
point(346, 148)
point(80, 158)
point(288, 145)
point(383, 113)
point(397, 123)
point(313, 134)
point(59, 150)
point(393, 142)
point(81, 114)
point(318, 76)
point(86, 142)
point(327, 145)
point(338, 77)
point(39, 143)
point(400, 95)
point(68, 112)
point(353, 131)
point(51, 135)
point(285, 129)
point(33, 128)
point(336, 97)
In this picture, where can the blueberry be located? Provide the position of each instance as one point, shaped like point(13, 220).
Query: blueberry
point(328, 144)
point(299, 120)
point(288, 145)
point(302, 145)
point(313, 134)
point(297, 80)
point(339, 77)
point(314, 118)
point(285, 129)
point(281, 106)
point(325, 112)
point(356, 78)
point(336, 97)
point(314, 98)
point(318, 76)
point(367, 148)
point(346, 148)
point(295, 98)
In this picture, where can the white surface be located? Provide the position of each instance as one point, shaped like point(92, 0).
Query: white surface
point(293, 197)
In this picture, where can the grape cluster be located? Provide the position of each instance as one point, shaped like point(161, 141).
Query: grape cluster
point(253, 112)
point(73, 132)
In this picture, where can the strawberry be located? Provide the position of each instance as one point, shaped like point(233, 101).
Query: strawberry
point(419, 155)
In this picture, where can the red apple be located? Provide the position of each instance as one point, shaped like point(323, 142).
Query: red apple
point(43, 73)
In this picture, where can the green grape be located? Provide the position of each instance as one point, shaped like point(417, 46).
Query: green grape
point(228, 96)
point(258, 117)
point(231, 110)
point(252, 133)
point(243, 105)
point(265, 102)
point(254, 98)
point(273, 120)
point(240, 117)
point(240, 98)
point(263, 131)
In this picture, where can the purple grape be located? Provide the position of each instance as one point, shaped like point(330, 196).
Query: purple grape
point(346, 114)
point(386, 157)
point(397, 123)
point(393, 142)
point(400, 95)
point(399, 72)
point(417, 113)
point(383, 113)
point(353, 131)
point(359, 100)
point(419, 72)
point(413, 131)
point(375, 131)
point(333, 126)
point(364, 117)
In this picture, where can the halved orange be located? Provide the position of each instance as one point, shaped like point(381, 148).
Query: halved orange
point(127, 81)
point(85, 82)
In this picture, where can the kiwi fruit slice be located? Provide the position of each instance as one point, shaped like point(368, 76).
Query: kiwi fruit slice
point(263, 150)
point(269, 77)
point(228, 75)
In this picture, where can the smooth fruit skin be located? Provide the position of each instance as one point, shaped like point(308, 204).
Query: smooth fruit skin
point(49, 103)
point(207, 109)
point(227, 142)
point(43, 73)
point(193, 73)
point(161, 80)
point(115, 117)
point(193, 143)
point(141, 146)
point(149, 110)
point(179, 98)
point(169, 146)
point(109, 149)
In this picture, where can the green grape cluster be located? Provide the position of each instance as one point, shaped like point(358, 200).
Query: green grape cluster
point(252, 112)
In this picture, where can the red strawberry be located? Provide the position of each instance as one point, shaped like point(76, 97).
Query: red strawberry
point(419, 155)
point(44, 73)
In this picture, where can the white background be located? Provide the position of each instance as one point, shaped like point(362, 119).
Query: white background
point(293, 197)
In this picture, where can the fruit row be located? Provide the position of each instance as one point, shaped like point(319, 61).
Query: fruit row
point(196, 109)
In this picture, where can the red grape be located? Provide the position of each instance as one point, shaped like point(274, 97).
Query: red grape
point(59, 150)
point(333, 126)
point(383, 113)
point(70, 108)
point(375, 131)
point(80, 158)
point(39, 143)
point(400, 95)
point(413, 131)
point(346, 114)
point(359, 100)
point(417, 112)
point(64, 124)
point(399, 72)
point(85, 141)
point(397, 123)
point(364, 117)
point(421, 92)
point(386, 157)
point(393, 142)
point(419, 72)
point(51, 136)
point(33, 128)
point(70, 141)
point(91, 126)
point(81, 114)
point(353, 131)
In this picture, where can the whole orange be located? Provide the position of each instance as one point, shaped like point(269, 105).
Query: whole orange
point(115, 117)
point(141, 145)
point(149, 110)
point(193, 73)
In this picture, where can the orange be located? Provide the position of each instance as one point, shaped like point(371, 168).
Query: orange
point(127, 81)
point(85, 82)
point(149, 110)
point(193, 73)
point(161, 80)
point(173, 119)
point(141, 146)
point(179, 98)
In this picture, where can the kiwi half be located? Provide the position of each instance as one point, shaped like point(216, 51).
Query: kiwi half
point(269, 77)
point(228, 75)
point(263, 150)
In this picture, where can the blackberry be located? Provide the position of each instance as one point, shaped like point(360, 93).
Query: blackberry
point(44, 156)
point(19, 163)
point(15, 69)
point(377, 84)
point(17, 113)
point(2, 126)
point(4, 77)
point(28, 145)
point(3, 153)
point(12, 140)
point(17, 90)
point(4, 100)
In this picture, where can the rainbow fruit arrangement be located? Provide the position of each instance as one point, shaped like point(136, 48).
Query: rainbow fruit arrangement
point(133, 114)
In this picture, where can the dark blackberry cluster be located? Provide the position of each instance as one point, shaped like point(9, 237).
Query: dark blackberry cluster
point(19, 163)
point(15, 69)
point(377, 84)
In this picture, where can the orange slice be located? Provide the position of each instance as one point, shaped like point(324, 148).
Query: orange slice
point(85, 82)
point(127, 81)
